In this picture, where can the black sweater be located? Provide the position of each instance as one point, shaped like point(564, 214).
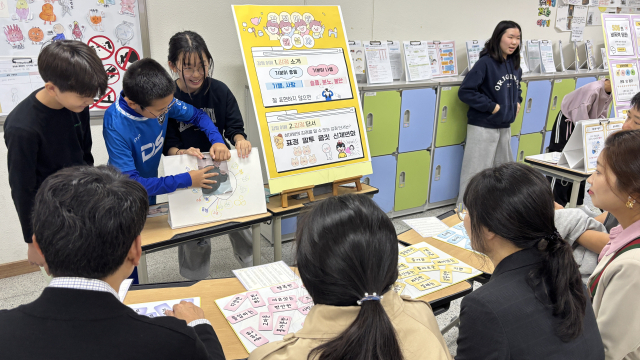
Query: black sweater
point(41, 141)
point(221, 106)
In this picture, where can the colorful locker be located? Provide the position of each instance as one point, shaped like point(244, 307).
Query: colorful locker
point(289, 225)
point(516, 126)
point(530, 144)
point(417, 114)
point(412, 180)
point(383, 178)
point(382, 120)
point(515, 142)
point(452, 118)
point(547, 141)
point(447, 165)
point(535, 106)
point(582, 81)
point(561, 87)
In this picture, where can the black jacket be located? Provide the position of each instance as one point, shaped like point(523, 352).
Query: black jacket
point(505, 320)
point(80, 324)
point(487, 84)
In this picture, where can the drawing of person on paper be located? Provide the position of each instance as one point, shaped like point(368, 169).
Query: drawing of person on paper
point(273, 30)
point(302, 28)
point(286, 29)
point(279, 140)
point(326, 148)
point(316, 28)
point(340, 147)
point(327, 94)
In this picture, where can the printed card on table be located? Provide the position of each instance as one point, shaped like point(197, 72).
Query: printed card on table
point(456, 236)
point(158, 308)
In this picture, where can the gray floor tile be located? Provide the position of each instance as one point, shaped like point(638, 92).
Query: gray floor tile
point(15, 301)
point(22, 284)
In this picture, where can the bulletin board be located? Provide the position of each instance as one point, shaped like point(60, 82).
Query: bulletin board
point(304, 93)
point(116, 29)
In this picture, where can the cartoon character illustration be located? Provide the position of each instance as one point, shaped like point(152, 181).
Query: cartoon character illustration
point(348, 150)
point(306, 150)
point(326, 148)
point(327, 94)
point(312, 159)
point(340, 147)
point(303, 161)
point(279, 140)
point(294, 162)
point(106, 3)
point(14, 36)
point(127, 7)
point(316, 28)
point(77, 31)
point(59, 30)
point(94, 16)
point(22, 11)
point(124, 32)
point(297, 151)
point(35, 35)
point(272, 30)
point(66, 8)
point(286, 29)
point(47, 14)
point(302, 28)
point(333, 32)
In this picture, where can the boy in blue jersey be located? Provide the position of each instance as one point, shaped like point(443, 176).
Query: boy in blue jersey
point(135, 127)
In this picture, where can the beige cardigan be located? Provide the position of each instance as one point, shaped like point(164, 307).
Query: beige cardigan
point(413, 320)
point(616, 304)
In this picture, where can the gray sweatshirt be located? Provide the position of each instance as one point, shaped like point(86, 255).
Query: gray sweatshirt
point(571, 223)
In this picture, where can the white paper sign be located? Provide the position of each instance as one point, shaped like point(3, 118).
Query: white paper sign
point(625, 78)
point(378, 63)
point(546, 56)
point(416, 56)
point(474, 47)
point(591, 57)
point(618, 31)
point(533, 54)
point(356, 51)
point(395, 58)
point(427, 226)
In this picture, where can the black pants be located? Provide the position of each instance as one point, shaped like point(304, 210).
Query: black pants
point(559, 138)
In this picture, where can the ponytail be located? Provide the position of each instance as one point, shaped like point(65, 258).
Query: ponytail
point(561, 277)
point(370, 337)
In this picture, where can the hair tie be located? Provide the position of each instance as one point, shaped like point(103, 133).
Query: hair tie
point(368, 297)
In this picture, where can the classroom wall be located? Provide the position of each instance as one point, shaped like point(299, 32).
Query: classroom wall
point(458, 20)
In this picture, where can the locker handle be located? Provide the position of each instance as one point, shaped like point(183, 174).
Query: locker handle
point(369, 121)
point(555, 102)
point(529, 105)
point(402, 179)
point(444, 113)
point(521, 155)
point(366, 181)
point(438, 170)
point(407, 115)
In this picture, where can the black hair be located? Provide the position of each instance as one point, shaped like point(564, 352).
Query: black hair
point(146, 81)
point(492, 46)
point(635, 101)
point(73, 66)
point(86, 218)
point(346, 247)
point(186, 43)
point(340, 144)
point(515, 202)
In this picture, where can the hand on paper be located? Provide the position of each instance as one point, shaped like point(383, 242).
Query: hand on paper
point(34, 257)
point(200, 179)
point(186, 311)
point(518, 111)
point(220, 152)
point(496, 109)
point(193, 152)
point(243, 146)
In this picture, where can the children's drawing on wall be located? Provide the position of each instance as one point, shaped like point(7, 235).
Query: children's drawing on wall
point(77, 31)
point(124, 32)
point(47, 14)
point(65, 6)
point(14, 36)
point(4, 9)
point(23, 12)
point(58, 30)
point(36, 35)
point(106, 3)
point(127, 7)
point(94, 17)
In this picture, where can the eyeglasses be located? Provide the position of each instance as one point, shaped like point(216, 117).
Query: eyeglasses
point(462, 211)
point(166, 110)
point(200, 69)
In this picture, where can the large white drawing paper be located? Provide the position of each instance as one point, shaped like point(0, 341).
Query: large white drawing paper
point(416, 56)
point(239, 191)
point(18, 79)
point(158, 308)
point(378, 62)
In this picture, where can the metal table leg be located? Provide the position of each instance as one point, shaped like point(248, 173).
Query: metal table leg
point(255, 232)
point(143, 275)
point(454, 322)
point(574, 194)
point(276, 234)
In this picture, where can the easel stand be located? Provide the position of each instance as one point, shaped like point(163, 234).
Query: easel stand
point(309, 190)
point(286, 193)
point(350, 180)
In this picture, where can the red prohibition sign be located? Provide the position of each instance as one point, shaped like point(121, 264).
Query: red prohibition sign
point(103, 46)
point(126, 56)
point(106, 100)
point(113, 74)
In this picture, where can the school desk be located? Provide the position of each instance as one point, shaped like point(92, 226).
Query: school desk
point(211, 290)
point(295, 207)
point(157, 235)
point(560, 173)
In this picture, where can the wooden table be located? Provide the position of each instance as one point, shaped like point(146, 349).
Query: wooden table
point(561, 173)
point(211, 290)
point(296, 206)
point(480, 262)
point(157, 235)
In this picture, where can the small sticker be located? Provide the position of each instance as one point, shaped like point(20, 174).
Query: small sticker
point(281, 299)
point(282, 325)
point(284, 287)
point(446, 276)
point(427, 285)
point(425, 268)
point(255, 299)
point(406, 273)
point(254, 336)
point(429, 253)
point(283, 307)
point(558, 81)
point(266, 322)
point(419, 260)
point(243, 315)
point(407, 251)
point(398, 287)
point(446, 88)
point(370, 94)
point(235, 302)
point(443, 262)
point(417, 279)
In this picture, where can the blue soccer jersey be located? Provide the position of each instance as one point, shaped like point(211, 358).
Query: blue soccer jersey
point(134, 143)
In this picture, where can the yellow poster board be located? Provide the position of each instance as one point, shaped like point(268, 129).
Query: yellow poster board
point(304, 94)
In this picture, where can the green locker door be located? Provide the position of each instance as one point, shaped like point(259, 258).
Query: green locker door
point(382, 119)
point(530, 144)
point(452, 118)
point(412, 179)
point(561, 87)
point(516, 126)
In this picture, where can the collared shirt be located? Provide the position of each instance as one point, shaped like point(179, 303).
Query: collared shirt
point(79, 283)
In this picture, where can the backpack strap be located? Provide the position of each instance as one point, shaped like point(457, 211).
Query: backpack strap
point(593, 284)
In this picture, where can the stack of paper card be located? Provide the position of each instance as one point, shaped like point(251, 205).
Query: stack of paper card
point(158, 308)
point(266, 315)
point(424, 269)
point(457, 236)
point(427, 227)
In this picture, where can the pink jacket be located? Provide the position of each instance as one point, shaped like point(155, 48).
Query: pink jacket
point(587, 102)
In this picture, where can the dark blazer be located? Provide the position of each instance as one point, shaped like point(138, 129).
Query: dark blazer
point(504, 319)
point(81, 324)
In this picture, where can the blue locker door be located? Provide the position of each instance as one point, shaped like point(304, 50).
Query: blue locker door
point(547, 141)
point(289, 225)
point(582, 81)
point(383, 178)
point(416, 119)
point(445, 175)
point(612, 114)
point(535, 106)
point(515, 142)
